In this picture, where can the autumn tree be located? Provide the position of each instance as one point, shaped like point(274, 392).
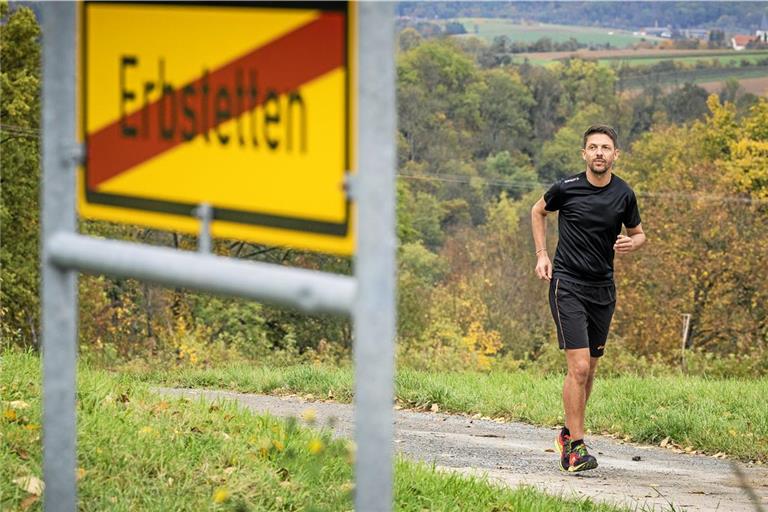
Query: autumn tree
point(20, 162)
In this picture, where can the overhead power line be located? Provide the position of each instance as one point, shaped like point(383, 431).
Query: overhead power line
point(19, 131)
point(466, 180)
point(531, 185)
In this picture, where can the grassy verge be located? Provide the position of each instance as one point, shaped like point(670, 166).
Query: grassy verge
point(137, 451)
point(708, 415)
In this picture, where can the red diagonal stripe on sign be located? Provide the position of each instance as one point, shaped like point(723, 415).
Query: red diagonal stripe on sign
point(282, 65)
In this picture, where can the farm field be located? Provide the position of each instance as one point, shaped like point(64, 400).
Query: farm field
point(724, 59)
point(753, 79)
point(646, 57)
point(488, 28)
point(756, 86)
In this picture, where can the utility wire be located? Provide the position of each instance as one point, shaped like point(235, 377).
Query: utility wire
point(448, 178)
point(530, 185)
point(14, 131)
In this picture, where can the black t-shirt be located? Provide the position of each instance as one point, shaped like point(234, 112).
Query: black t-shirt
point(590, 219)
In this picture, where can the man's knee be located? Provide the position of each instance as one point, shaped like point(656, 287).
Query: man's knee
point(579, 371)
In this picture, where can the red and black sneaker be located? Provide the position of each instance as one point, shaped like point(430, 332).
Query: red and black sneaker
point(563, 442)
point(579, 458)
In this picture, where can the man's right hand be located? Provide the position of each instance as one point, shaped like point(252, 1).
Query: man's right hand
point(544, 267)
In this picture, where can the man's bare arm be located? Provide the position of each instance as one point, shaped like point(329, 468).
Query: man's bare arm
point(539, 228)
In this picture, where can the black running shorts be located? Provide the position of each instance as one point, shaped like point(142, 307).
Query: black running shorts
point(582, 314)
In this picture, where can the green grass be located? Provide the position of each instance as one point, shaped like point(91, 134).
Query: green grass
point(729, 416)
point(137, 451)
point(488, 28)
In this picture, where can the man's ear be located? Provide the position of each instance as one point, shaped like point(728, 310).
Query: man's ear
point(616, 154)
point(584, 154)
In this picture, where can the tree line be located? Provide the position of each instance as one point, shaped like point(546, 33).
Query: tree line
point(731, 16)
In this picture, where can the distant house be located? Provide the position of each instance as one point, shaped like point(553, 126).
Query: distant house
point(740, 41)
point(657, 31)
point(762, 33)
point(695, 33)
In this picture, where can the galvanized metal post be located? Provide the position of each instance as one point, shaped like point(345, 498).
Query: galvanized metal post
point(205, 213)
point(374, 314)
point(59, 285)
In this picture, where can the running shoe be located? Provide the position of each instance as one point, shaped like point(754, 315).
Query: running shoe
point(579, 458)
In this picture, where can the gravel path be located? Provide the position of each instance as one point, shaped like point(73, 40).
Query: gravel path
point(517, 453)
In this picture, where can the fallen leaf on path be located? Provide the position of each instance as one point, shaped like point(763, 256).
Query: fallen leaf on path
point(30, 484)
point(309, 415)
point(435, 408)
point(28, 501)
point(665, 442)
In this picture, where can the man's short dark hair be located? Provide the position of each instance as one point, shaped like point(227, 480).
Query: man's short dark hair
point(601, 128)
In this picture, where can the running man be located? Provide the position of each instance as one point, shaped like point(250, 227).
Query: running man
point(593, 205)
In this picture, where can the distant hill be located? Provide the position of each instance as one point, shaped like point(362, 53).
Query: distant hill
point(730, 16)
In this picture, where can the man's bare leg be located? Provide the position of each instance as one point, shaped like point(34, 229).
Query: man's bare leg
point(575, 390)
point(588, 388)
point(591, 378)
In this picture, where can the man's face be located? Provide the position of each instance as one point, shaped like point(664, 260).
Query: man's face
point(599, 153)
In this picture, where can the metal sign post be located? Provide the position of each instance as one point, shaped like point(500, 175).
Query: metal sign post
point(374, 320)
point(59, 285)
point(368, 297)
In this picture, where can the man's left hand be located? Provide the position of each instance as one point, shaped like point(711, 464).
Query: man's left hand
point(624, 244)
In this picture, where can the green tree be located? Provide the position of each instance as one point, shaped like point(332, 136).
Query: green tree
point(504, 109)
point(518, 172)
point(408, 39)
point(586, 84)
point(437, 100)
point(547, 113)
point(419, 271)
point(20, 162)
point(686, 104)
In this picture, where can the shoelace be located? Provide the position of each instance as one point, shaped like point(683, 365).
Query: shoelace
point(581, 450)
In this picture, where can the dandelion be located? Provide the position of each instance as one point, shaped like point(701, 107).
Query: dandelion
point(316, 446)
point(221, 495)
point(145, 430)
point(278, 444)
